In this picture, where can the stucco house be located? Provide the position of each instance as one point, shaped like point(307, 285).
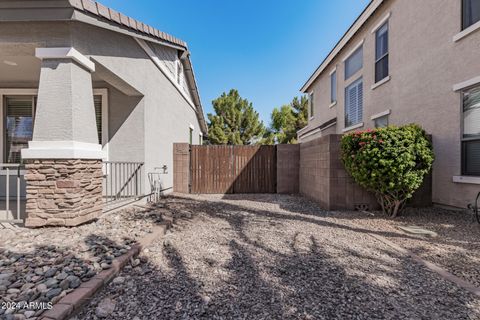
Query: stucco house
point(92, 102)
point(405, 62)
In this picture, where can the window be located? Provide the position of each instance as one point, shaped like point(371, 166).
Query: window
point(381, 122)
point(190, 139)
point(354, 103)
point(97, 101)
point(333, 87)
point(19, 118)
point(470, 13)
point(381, 53)
point(354, 63)
point(310, 101)
point(179, 72)
point(471, 132)
point(200, 139)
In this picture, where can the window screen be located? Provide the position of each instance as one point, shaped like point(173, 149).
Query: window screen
point(471, 132)
point(333, 87)
point(354, 63)
point(97, 101)
point(470, 12)
point(354, 103)
point(381, 122)
point(19, 126)
point(381, 53)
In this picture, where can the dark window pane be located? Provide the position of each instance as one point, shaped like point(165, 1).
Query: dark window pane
point(471, 157)
point(19, 126)
point(381, 68)
point(381, 43)
point(354, 63)
point(333, 87)
point(471, 12)
point(381, 122)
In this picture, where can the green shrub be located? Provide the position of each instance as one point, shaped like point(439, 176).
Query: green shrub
point(391, 162)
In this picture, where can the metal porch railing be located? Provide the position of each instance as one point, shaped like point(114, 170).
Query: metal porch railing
point(122, 180)
point(12, 192)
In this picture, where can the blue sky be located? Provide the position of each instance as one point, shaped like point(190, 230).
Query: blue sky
point(264, 48)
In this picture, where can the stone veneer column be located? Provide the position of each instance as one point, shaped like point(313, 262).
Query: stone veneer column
point(64, 158)
point(63, 192)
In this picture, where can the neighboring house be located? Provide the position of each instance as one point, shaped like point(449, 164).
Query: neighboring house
point(81, 84)
point(409, 62)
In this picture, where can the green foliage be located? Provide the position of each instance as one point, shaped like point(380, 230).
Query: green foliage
point(391, 162)
point(234, 122)
point(286, 121)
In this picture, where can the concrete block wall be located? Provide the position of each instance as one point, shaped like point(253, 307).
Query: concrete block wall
point(324, 179)
point(181, 167)
point(313, 169)
point(288, 163)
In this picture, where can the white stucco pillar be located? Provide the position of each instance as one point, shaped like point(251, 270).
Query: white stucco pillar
point(64, 158)
point(65, 125)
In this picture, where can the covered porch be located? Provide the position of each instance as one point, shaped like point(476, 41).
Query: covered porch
point(57, 123)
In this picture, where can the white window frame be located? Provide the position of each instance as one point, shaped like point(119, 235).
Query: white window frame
point(103, 92)
point(385, 21)
point(34, 92)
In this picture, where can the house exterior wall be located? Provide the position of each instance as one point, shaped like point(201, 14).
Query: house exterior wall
point(425, 63)
point(147, 126)
point(141, 128)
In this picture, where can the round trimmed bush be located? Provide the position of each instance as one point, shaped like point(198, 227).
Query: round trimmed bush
point(391, 162)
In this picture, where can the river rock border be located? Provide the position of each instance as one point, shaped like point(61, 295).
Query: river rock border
point(71, 303)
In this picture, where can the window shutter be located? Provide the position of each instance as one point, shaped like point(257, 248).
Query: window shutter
point(354, 103)
point(97, 101)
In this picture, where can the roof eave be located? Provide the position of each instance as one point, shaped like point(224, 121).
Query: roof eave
point(196, 95)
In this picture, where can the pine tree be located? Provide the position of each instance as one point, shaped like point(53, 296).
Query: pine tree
point(235, 121)
point(286, 121)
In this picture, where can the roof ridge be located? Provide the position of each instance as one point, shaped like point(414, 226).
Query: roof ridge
point(102, 11)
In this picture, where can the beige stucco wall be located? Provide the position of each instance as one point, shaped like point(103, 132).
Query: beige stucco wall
point(425, 63)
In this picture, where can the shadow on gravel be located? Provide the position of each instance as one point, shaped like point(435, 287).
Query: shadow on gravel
point(303, 284)
point(308, 214)
point(33, 280)
point(313, 286)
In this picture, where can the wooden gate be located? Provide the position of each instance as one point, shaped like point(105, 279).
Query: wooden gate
point(233, 169)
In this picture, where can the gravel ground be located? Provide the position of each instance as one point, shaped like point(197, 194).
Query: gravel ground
point(40, 266)
point(275, 257)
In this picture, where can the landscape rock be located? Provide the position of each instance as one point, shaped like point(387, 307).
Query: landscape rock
point(105, 308)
